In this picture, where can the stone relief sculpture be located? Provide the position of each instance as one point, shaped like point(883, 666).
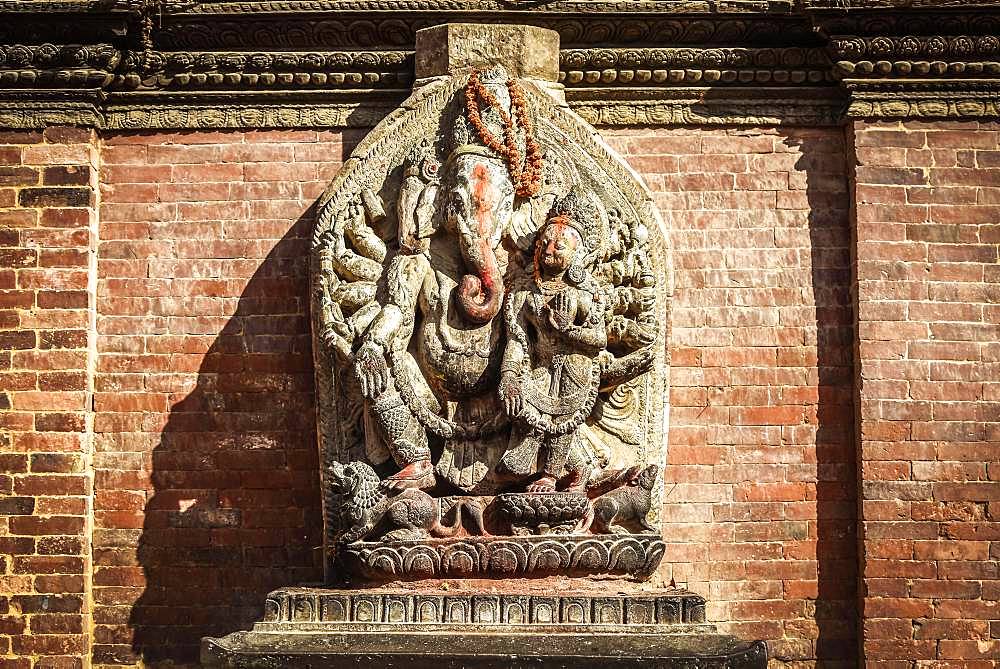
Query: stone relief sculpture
point(490, 296)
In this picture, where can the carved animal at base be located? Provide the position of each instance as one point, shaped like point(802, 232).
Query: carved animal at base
point(412, 514)
point(628, 503)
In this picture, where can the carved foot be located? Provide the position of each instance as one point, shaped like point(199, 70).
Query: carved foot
point(576, 480)
point(419, 474)
point(545, 484)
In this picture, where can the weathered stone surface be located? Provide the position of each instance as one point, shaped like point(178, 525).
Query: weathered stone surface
point(293, 608)
point(453, 48)
point(489, 280)
point(469, 650)
point(341, 628)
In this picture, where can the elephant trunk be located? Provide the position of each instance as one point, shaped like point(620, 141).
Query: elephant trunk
point(480, 294)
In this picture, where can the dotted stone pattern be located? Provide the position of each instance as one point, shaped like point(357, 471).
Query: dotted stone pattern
point(319, 606)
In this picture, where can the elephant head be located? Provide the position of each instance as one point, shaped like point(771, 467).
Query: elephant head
point(479, 203)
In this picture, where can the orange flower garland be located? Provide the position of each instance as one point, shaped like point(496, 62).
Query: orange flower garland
point(527, 176)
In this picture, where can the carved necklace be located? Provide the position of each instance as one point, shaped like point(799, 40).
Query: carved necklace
point(548, 286)
point(551, 287)
point(527, 177)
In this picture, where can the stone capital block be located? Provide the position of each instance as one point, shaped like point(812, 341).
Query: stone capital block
point(526, 51)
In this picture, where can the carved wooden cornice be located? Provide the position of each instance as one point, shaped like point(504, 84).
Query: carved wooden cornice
point(282, 63)
point(917, 64)
point(217, 7)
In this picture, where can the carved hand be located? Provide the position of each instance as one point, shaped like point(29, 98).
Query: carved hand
point(560, 312)
point(645, 298)
point(510, 394)
point(371, 370)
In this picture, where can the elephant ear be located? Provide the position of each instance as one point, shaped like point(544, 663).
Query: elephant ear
point(523, 225)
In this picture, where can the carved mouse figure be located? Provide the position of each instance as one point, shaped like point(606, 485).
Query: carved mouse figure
point(628, 503)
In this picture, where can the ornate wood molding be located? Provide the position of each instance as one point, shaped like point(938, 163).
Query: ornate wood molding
point(924, 62)
point(286, 63)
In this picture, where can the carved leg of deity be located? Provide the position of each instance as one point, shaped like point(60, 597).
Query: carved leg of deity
point(521, 456)
point(406, 440)
point(576, 479)
point(579, 468)
point(556, 452)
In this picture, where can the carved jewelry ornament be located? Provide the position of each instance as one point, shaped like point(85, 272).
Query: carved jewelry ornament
point(490, 298)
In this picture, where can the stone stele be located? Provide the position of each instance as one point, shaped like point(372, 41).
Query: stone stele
point(490, 294)
point(454, 48)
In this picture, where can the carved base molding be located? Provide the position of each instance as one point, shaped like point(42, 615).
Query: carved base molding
point(637, 555)
point(306, 607)
point(319, 627)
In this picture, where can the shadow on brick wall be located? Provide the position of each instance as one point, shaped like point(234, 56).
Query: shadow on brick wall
point(836, 634)
point(235, 511)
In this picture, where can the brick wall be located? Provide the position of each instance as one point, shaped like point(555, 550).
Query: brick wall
point(205, 473)
point(201, 445)
point(760, 507)
point(48, 222)
point(206, 470)
point(928, 227)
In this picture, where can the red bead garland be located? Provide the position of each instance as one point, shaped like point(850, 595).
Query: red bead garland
point(527, 176)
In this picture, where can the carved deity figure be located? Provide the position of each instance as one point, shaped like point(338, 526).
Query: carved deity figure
point(556, 333)
point(487, 333)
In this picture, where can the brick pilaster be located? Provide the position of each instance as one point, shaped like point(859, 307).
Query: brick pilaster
point(928, 281)
point(48, 224)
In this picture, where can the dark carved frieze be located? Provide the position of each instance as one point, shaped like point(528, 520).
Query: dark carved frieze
point(842, 5)
point(169, 63)
point(902, 24)
point(916, 64)
point(70, 6)
point(666, 67)
point(399, 29)
point(961, 48)
point(38, 109)
point(206, 114)
point(49, 65)
point(513, 6)
point(269, 70)
point(963, 105)
point(698, 106)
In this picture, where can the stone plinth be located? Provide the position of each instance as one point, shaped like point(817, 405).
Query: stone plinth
point(526, 51)
point(442, 630)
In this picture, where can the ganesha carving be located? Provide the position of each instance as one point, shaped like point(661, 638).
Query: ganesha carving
point(490, 298)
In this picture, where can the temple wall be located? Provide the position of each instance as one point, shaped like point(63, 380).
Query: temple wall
point(204, 466)
point(760, 503)
point(204, 396)
point(156, 344)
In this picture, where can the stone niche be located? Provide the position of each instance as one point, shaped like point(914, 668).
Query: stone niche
point(490, 291)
